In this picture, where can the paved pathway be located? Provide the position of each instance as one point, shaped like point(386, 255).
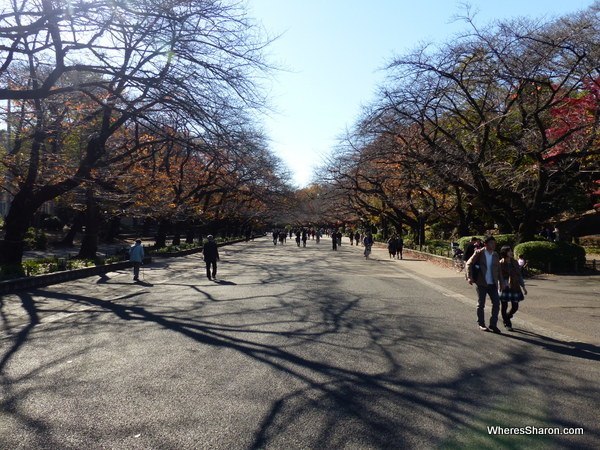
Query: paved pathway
point(292, 348)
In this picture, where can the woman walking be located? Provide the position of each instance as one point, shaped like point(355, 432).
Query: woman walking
point(513, 277)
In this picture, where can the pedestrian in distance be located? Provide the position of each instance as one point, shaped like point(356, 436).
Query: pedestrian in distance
point(334, 241)
point(298, 238)
point(399, 246)
point(357, 238)
point(211, 256)
point(351, 236)
point(483, 269)
point(392, 246)
point(523, 265)
point(511, 272)
point(470, 249)
point(304, 237)
point(136, 256)
point(368, 243)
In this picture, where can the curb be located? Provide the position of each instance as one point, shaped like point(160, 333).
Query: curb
point(19, 284)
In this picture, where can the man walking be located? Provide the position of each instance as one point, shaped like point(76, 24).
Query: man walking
point(483, 269)
point(211, 256)
point(136, 256)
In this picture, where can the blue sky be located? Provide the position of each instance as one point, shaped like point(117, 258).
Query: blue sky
point(332, 52)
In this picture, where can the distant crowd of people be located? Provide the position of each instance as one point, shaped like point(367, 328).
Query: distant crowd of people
point(499, 276)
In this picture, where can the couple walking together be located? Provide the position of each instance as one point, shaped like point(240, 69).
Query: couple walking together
point(500, 278)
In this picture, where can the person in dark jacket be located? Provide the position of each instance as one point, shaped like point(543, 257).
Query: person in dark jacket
point(483, 270)
point(399, 246)
point(470, 249)
point(211, 256)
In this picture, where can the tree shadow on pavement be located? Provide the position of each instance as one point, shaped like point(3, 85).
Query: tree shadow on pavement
point(345, 370)
point(570, 348)
point(29, 306)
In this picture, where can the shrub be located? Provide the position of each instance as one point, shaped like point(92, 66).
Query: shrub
point(551, 256)
point(40, 266)
point(505, 239)
point(35, 239)
point(176, 248)
point(52, 223)
point(11, 272)
point(438, 243)
point(73, 264)
point(464, 241)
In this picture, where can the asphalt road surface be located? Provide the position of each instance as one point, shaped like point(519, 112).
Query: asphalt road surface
point(290, 348)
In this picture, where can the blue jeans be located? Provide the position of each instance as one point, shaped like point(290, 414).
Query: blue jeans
point(482, 293)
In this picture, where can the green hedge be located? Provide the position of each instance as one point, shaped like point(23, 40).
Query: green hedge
point(35, 239)
point(501, 240)
point(552, 257)
point(41, 266)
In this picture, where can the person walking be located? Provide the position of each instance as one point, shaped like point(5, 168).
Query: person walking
point(512, 274)
point(392, 246)
point(357, 238)
point(334, 241)
point(399, 246)
point(136, 256)
point(304, 237)
point(470, 249)
point(483, 269)
point(368, 243)
point(211, 256)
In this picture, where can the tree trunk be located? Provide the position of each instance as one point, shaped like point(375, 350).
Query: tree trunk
point(17, 222)
point(75, 228)
point(161, 234)
point(89, 243)
point(190, 234)
point(527, 228)
point(114, 228)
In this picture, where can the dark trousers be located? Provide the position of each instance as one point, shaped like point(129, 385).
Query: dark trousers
point(214, 269)
point(482, 293)
point(507, 315)
point(136, 270)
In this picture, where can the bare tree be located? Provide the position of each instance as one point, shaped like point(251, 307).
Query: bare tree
point(485, 106)
point(135, 63)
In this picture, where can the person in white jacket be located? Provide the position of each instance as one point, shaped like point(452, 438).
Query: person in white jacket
point(136, 256)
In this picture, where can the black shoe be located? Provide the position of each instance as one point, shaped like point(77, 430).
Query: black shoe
point(209, 278)
point(495, 329)
point(136, 279)
point(483, 328)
